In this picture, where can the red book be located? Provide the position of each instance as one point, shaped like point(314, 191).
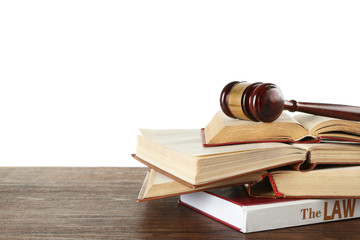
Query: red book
point(235, 208)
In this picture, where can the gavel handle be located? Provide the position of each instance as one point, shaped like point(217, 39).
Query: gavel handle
point(323, 109)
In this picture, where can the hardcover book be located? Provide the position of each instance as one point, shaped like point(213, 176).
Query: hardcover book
point(181, 155)
point(223, 130)
point(330, 182)
point(233, 207)
point(326, 182)
point(157, 185)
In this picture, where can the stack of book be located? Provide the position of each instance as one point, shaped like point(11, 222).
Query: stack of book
point(257, 176)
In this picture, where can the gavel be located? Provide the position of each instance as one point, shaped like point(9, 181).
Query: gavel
point(264, 102)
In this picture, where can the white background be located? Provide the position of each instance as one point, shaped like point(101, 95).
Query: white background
point(78, 78)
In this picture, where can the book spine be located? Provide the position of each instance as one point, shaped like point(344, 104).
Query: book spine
point(297, 213)
point(273, 185)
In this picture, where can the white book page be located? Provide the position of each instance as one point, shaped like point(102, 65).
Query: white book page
point(189, 141)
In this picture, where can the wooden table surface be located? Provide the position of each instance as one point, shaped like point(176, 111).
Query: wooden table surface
point(100, 203)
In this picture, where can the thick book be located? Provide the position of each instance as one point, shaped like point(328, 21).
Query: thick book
point(181, 155)
point(223, 130)
point(325, 182)
point(157, 185)
point(233, 207)
point(329, 182)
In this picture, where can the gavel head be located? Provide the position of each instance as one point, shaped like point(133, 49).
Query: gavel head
point(252, 101)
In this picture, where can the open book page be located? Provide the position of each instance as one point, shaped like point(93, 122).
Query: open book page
point(157, 185)
point(154, 179)
point(189, 141)
point(329, 127)
point(310, 121)
point(158, 178)
point(223, 129)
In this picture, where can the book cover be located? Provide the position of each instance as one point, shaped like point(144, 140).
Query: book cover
point(233, 207)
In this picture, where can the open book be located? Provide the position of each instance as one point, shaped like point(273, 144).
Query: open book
point(180, 155)
point(223, 130)
point(157, 185)
point(327, 182)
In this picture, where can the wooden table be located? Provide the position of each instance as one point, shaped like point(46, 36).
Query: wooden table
point(100, 203)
